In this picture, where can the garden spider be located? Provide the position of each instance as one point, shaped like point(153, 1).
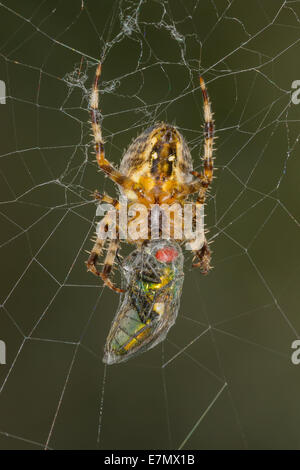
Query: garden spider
point(156, 169)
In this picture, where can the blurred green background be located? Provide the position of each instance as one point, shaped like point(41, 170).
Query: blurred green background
point(223, 379)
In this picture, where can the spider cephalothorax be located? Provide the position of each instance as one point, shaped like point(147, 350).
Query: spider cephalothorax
point(156, 169)
point(159, 162)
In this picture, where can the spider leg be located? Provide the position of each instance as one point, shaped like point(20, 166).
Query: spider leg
point(97, 252)
point(203, 257)
point(94, 256)
point(98, 247)
point(108, 264)
point(104, 164)
point(105, 198)
point(209, 129)
point(204, 178)
point(198, 244)
point(202, 182)
point(99, 144)
point(208, 165)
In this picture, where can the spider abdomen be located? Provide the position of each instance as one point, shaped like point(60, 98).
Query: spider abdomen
point(158, 145)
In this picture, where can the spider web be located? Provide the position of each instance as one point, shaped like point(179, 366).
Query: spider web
point(224, 377)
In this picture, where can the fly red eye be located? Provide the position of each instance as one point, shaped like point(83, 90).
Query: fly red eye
point(166, 255)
